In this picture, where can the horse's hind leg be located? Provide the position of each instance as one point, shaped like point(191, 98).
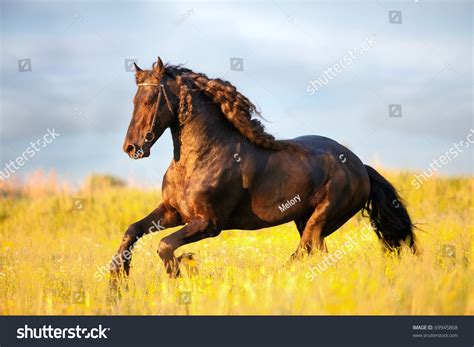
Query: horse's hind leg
point(192, 232)
point(329, 215)
point(300, 226)
point(312, 237)
point(315, 229)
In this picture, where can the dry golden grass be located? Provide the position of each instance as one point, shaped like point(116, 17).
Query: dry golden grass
point(50, 255)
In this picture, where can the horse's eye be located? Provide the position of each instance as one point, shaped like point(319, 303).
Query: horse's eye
point(150, 99)
point(148, 102)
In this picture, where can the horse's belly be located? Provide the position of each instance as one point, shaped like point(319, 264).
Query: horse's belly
point(264, 210)
point(251, 221)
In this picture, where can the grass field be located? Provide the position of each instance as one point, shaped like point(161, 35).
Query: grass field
point(51, 256)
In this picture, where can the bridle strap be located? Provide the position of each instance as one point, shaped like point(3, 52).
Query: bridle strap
point(167, 100)
point(150, 135)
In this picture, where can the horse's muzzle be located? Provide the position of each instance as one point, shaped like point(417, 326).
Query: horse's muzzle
point(137, 152)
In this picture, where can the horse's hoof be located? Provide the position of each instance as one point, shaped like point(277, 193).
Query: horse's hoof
point(186, 257)
point(188, 263)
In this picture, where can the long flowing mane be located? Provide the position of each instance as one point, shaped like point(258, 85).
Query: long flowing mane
point(236, 107)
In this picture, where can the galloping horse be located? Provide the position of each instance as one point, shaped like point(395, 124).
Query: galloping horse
point(228, 173)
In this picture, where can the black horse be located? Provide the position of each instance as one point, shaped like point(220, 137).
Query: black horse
point(228, 173)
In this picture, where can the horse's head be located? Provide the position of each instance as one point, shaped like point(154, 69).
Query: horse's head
point(154, 110)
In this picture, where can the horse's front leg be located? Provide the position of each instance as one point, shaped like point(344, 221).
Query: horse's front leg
point(161, 218)
point(195, 230)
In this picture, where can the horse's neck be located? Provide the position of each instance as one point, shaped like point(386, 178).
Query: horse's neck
point(206, 132)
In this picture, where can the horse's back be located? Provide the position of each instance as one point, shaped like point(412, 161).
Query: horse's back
point(326, 147)
point(317, 143)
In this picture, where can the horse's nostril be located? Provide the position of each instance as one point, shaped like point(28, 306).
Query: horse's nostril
point(129, 148)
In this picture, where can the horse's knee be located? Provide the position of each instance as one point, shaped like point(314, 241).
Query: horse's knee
point(165, 249)
point(132, 232)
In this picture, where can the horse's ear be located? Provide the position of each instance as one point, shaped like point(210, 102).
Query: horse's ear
point(137, 68)
point(158, 66)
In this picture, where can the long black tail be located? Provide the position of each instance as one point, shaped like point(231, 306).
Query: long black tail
point(388, 214)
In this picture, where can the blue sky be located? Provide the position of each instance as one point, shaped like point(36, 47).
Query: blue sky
point(78, 84)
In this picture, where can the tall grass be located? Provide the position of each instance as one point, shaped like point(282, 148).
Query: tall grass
point(50, 256)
